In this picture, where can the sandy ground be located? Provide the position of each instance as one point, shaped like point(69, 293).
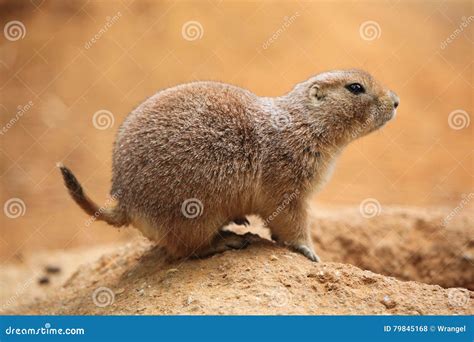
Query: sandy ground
point(403, 261)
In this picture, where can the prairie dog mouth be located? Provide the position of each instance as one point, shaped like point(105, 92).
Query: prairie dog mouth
point(394, 114)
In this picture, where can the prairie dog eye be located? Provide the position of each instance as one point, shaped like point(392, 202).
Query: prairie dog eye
point(355, 88)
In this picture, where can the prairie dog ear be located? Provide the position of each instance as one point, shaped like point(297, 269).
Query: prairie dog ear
point(315, 92)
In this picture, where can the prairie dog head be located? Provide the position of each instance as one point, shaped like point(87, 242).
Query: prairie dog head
point(347, 104)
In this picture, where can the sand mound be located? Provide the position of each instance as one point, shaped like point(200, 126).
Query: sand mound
point(426, 245)
point(136, 278)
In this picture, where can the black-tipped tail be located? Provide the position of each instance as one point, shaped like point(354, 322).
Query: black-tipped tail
point(113, 216)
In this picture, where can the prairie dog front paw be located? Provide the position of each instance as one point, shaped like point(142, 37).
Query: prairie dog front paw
point(307, 252)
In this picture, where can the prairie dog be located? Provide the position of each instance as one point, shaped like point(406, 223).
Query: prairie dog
point(192, 158)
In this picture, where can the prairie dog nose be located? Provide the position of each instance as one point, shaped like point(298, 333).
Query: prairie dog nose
point(395, 99)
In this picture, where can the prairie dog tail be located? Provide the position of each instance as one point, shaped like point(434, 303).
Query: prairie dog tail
point(113, 216)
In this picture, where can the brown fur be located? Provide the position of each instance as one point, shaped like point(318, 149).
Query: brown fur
point(238, 154)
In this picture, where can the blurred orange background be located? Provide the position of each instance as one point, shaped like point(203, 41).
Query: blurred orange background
point(62, 62)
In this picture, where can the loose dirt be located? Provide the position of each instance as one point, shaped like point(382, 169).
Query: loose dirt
point(402, 261)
